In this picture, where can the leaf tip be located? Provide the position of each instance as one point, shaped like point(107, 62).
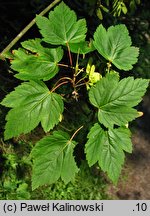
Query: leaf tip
point(140, 114)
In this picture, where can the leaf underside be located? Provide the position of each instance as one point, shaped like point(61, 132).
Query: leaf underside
point(53, 159)
point(31, 103)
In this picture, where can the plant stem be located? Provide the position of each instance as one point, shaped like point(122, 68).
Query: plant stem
point(17, 38)
point(108, 66)
point(63, 78)
point(63, 65)
point(58, 86)
point(81, 84)
point(75, 133)
point(81, 79)
point(70, 57)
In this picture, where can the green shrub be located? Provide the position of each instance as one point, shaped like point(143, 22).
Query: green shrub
point(47, 91)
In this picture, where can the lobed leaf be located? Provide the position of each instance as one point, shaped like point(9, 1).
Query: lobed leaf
point(53, 158)
point(62, 27)
point(106, 148)
point(110, 115)
point(31, 103)
point(38, 64)
point(115, 45)
point(115, 103)
point(122, 136)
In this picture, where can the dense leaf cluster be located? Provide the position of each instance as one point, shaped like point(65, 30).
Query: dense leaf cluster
point(113, 98)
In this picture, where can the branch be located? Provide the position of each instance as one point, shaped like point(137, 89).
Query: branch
point(17, 38)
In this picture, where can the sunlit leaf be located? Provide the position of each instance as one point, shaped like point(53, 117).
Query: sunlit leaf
point(115, 99)
point(106, 148)
point(36, 62)
point(53, 159)
point(31, 103)
point(62, 27)
point(115, 45)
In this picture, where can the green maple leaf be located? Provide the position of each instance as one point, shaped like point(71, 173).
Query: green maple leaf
point(36, 62)
point(115, 99)
point(107, 148)
point(115, 45)
point(31, 103)
point(53, 158)
point(62, 26)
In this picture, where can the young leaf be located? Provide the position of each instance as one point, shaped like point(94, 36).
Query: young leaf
point(106, 148)
point(53, 158)
point(62, 26)
point(99, 14)
point(32, 103)
point(115, 45)
point(92, 75)
point(115, 103)
point(40, 64)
